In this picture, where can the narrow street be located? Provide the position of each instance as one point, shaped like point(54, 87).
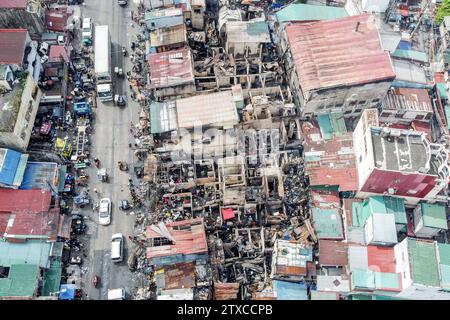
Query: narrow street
point(110, 143)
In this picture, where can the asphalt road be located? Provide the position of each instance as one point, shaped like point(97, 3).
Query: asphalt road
point(110, 143)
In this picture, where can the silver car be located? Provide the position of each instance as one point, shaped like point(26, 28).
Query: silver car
point(104, 213)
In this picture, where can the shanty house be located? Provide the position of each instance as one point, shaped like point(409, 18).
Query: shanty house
point(12, 167)
point(198, 14)
point(289, 260)
point(26, 14)
point(419, 169)
point(21, 282)
point(176, 242)
point(19, 53)
point(429, 220)
point(325, 73)
point(18, 112)
point(405, 105)
point(172, 73)
point(245, 38)
point(163, 18)
point(165, 39)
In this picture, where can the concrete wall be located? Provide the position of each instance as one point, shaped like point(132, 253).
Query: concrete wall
point(19, 138)
point(21, 19)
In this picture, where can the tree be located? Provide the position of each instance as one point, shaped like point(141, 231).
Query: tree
point(442, 11)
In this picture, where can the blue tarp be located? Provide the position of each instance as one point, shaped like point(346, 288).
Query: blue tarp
point(67, 292)
point(290, 290)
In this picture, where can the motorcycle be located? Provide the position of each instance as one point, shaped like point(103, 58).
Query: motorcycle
point(97, 162)
point(96, 281)
point(124, 51)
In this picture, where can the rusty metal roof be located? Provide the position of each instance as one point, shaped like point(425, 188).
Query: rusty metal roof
point(177, 276)
point(13, 4)
point(188, 237)
point(408, 99)
point(12, 45)
point(171, 68)
point(340, 52)
point(330, 162)
point(24, 200)
point(333, 253)
point(226, 291)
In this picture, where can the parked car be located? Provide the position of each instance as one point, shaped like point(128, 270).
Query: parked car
point(122, 3)
point(104, 212)
point(117, 247)
point(87, 31)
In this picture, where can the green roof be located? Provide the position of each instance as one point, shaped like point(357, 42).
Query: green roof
point(328, 223)
point(62, 178)
point(385, 204)
point(434, 216)
point(21, 282)
point(371, 280)
point(32, 252)
point(411, 54)
point(424, 267)
point(361, 297)
point(307, 12)
point(359, 216)
point(444, 264)
point(442, 88)
point(363, 279)
point(332, 124)
point(387, 281)
point(52, 279)
point(162, 116)
point(321, 295)
point(257, 27)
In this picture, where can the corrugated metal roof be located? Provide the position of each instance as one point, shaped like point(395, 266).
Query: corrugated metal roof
point(408, 72)
point(331, 162)
point(290, 290)
point(177, 276)
point(328, 223)
point(12, 45)
point(423, 262)
point(382, 227)
point(333, 284)
point(226, 291)
point(290, 258)
point(188, 236)
point(163, 116)
point(408, 99)
point(168, 36)
point(323, 57)
point(308, 12)
point(171, 68)
point(358, 257)
point(157, 14)
point(30, 252)
point(332, 124)
point(434, 216)
point(411, 55)
point(247, 31)
point(13, 4)
point(24, 200)
point(22, 281)
point(381, 259)
point(216, 108)
point(40, 175)
point(444, 264)
point(322, 295)
point(362, 279)
point(333, 253)
point(12, 167)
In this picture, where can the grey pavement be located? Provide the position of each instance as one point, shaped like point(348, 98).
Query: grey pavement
point(110, 143)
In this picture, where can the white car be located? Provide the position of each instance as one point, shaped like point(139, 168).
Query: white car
point(104, 213)
point(86, 29)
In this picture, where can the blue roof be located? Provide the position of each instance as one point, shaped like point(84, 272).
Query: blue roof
point(40, 175)
point(67, 292)
point(290, 290)
point(308, 12)
point(12, 165)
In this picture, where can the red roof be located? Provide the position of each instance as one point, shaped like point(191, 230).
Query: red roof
point(333, 253)
point(381, 259)
point(325, 199)
point(29, 224)
point(340, 52)
point(188, 237)
point(171, 68)
point(56, 19)
point(58, 54)
point(12, 45)
point(24, 200)
point(13, 4)
point(329, 162)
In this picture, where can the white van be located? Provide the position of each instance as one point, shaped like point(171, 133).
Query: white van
point(116, 294)
point(86, 31)
point(117, 247)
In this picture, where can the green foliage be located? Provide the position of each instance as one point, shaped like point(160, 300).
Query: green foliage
point(442, 11)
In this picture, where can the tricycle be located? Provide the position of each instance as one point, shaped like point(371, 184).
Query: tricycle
point(123, 166)
point(95, 281)
point(102, 175)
